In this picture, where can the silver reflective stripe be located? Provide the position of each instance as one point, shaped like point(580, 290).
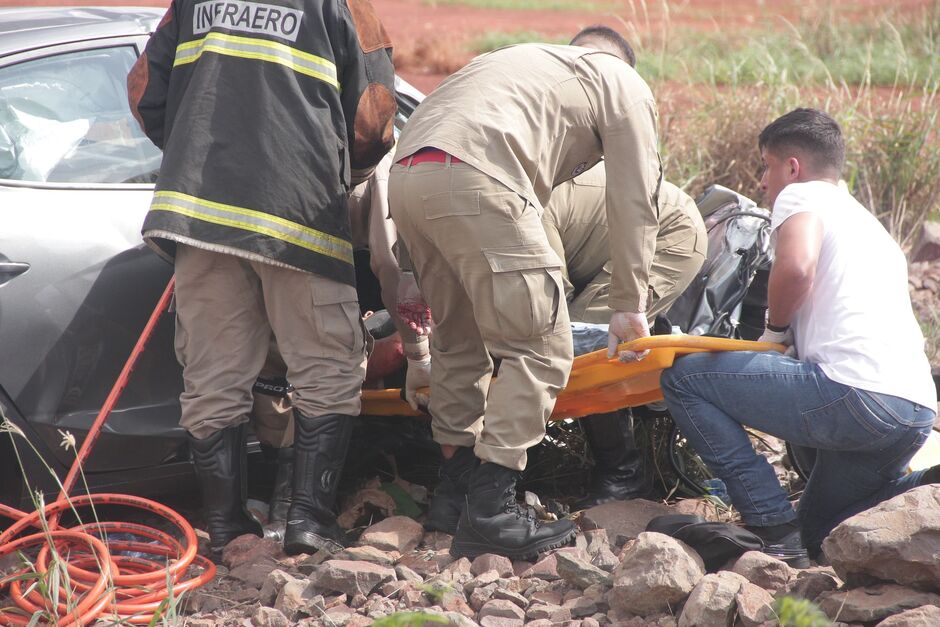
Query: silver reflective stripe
point(255, 222)
point(261, 50)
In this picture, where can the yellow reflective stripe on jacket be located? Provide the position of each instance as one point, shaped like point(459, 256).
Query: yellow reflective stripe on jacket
point(254, 221)
point(260, 49)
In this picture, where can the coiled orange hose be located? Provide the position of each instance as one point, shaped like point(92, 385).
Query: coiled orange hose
point(102, 580)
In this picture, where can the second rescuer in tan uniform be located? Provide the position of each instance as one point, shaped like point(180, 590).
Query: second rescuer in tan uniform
point(475, 166)
point(575, 221)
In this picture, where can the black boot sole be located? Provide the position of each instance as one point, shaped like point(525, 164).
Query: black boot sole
point(297, 542)
point(793, 558)
point(472, 549)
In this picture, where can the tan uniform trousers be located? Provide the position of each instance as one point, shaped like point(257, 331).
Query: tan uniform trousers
point(494, 286)
point(226, 310)
point(672, 271)
point(273, 416)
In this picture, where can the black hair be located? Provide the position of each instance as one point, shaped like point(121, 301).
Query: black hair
point(609, 36)
point(808, 130)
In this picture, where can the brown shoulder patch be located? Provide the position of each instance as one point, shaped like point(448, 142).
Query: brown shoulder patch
point(372, 35)
point(168, 16)
point(374, 126)
point(137, 80)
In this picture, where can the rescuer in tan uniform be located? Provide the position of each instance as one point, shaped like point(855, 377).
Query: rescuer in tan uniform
point(474, 168)
point(575, 222)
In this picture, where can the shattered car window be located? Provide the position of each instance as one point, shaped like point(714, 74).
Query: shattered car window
point(65, 119)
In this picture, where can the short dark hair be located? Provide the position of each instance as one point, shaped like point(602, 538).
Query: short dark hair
point(808, 130)
point(609, 36)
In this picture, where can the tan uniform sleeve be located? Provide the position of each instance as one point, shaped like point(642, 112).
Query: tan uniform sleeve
point(626, 124)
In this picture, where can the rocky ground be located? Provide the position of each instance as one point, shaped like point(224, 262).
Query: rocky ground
point(884, 571)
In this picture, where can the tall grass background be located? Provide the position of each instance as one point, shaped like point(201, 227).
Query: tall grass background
point(877, 71)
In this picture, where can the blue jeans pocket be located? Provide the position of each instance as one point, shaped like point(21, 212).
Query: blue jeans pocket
point(898, 463)
point(846, 424)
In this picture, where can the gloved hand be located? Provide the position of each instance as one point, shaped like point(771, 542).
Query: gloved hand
point(417, 377)
point(412, 308)
point(625, 326)
point(780, 337)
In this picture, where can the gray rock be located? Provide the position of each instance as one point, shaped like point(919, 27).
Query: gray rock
point(541, 611)
point(489, 561)
point(755, 605)
point(656, 573)
point(461, 566)
point(924, 616)
point(480, 596)
point(578, 572)
point(268, 617)
point(712, 601)
point(351, 577)
point(501, 608)
point(250, 548)
point(927, 247)
point(459, 620)
point(480, 581)
point(272, 585)
point(874, 603)
point(200, 602)
point(762, 570)
point(809, 584)
point(509, 595)
point(253, 574)
point(545, 568)
point(623, 520)
point(397, 533)
point(581, 607)
point(367, 554)
point(292, 600)
point(406, 574)
point(895, 541)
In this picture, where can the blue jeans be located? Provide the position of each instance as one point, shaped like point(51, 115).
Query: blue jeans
point(588, 337)
point(864, 440)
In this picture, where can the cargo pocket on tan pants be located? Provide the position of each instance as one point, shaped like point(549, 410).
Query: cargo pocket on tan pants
point(336, 315)
point(527, 290)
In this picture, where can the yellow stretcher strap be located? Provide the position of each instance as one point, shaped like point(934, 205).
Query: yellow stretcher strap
point(598, 384)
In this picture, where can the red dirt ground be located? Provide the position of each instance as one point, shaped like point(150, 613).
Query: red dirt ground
point(431, 39)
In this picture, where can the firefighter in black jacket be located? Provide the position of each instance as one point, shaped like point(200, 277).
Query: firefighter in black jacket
point(267, 113)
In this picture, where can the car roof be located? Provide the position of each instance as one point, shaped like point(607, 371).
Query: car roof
point(28, 28)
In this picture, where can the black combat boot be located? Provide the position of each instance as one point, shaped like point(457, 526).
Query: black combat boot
point(320, 446)
point(283, 484)
point(450, 496)
point(220, 467)
point(618, 466)
point(493, 522)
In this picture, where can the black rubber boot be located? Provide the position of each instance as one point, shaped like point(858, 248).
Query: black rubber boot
point(220, 468)
point(493, 522)
point(320, 446)
point(283, 484)
point(784, 543)
point(450, 496)
point(618, 472)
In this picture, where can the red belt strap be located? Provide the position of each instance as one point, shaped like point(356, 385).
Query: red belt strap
point(428, 155)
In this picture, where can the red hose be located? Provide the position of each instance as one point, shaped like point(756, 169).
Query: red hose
point(102, 580)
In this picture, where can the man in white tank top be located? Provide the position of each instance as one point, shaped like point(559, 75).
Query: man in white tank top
point(857, 387)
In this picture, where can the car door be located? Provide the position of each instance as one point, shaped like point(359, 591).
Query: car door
point(76, 281)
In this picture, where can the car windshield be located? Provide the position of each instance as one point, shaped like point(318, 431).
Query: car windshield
point(65, 119)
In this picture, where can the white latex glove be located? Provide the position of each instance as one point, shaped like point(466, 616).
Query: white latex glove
point(417, 377)
point(780, 337)
point(624, 327)
point(412, 308)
